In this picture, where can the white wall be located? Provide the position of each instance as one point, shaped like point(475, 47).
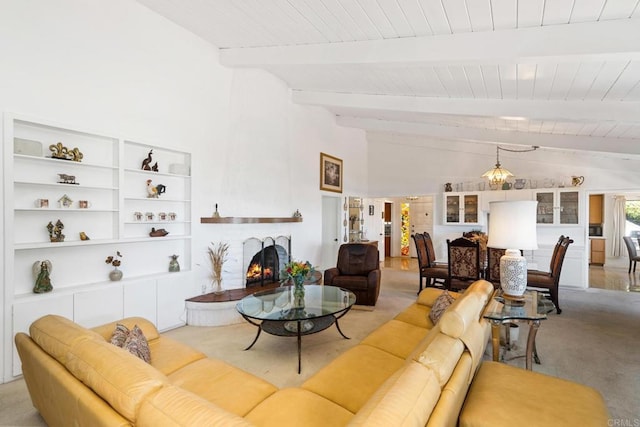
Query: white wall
point(117, 68)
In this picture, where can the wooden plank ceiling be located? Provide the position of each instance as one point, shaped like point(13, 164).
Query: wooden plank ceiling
point(562, 74)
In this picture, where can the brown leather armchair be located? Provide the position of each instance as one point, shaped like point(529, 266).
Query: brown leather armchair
point(358, 270)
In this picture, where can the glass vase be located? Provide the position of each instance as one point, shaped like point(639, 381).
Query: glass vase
point(217, 286)
point(298, 292)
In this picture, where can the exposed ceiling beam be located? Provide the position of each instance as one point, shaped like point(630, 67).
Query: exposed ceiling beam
point(617, 146)
point(531, 109)
point(605, 40)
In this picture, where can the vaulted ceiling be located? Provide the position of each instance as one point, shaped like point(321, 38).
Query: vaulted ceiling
point(561, 74)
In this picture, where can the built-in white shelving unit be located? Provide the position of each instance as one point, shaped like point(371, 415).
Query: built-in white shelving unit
point(118, 217)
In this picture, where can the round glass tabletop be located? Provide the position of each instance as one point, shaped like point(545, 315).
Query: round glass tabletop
point(277, 304)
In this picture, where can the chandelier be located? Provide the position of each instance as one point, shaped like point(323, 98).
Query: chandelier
point(498, 175)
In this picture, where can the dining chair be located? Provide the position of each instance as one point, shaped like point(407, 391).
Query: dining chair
point(633, 253)
point(432, 275)
point(550, 280)
point(464, 263)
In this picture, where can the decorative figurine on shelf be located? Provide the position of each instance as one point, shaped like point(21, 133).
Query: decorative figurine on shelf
point(160, 232)
point(65, 202)
point(297, 214)
point(42, 269)
point(173, 264)
point(153, 191)
point(448, 188)
point(59, 151)
point(155, 167)
point(67, 179)
point(83, 236)
point(55, 232)
point(147, 162)
point(216, 214)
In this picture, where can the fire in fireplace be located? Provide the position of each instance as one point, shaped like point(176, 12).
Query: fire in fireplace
point(264, 259)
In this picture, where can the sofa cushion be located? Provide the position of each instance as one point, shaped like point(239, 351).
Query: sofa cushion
point(441, 356)
point(174, 406)
point(352, 378)
point(429, 295)
point(136, 344)
point(396, 337)
point(520, 394)
point(416, 314)
point(56, 335)
point(117, 376)
point(226, 386)
point(453, 394)
point(170, 355)
point(440, 305)
point(466, 310)
point(119, 335)
point(298, 407)
point(147, 327)
point(405, 399)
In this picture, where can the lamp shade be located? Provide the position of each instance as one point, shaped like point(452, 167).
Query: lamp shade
point(512, 225)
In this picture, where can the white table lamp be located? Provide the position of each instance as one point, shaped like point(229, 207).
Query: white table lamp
point(512, 226)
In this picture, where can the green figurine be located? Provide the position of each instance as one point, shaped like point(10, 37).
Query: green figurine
point(43, 281)
point(173, 264)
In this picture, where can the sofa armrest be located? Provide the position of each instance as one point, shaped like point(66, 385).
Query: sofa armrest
point(330, 274)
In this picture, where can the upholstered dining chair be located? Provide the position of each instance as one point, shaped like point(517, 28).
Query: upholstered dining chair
point(358, 269)
point(493, 266)
point(550, 280)
point(464, 263)
point(431, 273)
point(633, 253)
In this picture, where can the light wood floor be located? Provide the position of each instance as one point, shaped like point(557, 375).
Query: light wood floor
point(612, 278)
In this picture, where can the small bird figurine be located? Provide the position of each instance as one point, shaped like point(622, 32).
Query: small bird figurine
point(83, 236)
point(151, 189)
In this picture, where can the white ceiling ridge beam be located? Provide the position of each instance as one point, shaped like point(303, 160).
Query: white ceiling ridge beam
point(604, 40)
point(556, 110)
point(617, 146)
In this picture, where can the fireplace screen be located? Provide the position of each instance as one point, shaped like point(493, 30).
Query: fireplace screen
point(264, 259)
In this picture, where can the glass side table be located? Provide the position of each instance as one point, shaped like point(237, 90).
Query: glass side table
point(531, 309)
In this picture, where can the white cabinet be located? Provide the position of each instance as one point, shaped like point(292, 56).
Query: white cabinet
point(461, 208)
point(104, 188)
point(558, 206)
point(498, 196)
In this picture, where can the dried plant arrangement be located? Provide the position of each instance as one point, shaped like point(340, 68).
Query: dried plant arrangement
point(217, 255)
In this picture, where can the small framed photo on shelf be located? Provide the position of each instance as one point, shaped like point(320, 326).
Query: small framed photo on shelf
point(330, 173)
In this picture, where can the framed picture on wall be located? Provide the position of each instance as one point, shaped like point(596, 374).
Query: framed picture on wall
point(330, 173)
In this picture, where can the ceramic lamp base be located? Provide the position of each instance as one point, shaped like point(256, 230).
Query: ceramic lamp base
point(513, 274)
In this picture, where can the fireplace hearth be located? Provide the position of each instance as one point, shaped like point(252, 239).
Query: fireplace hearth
point(263, 259)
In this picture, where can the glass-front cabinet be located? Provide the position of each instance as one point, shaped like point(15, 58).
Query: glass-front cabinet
point(558, 207)
point(461, 208)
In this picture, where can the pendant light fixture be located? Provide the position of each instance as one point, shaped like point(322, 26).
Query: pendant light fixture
point(498, 175)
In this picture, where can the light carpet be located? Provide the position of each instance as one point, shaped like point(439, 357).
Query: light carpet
point(595, 341)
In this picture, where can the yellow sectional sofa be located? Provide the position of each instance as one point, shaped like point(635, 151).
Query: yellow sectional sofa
point(408, 372)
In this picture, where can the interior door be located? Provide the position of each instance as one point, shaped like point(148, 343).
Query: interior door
point(421, 219)
point(331, 228)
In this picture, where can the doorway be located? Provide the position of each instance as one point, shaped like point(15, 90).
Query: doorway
point(330, 231)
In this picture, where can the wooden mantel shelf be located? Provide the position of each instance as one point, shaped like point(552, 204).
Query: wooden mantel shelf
point(247, 220)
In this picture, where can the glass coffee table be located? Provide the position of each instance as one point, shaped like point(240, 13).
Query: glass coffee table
point(272, 311)
point(531, 309)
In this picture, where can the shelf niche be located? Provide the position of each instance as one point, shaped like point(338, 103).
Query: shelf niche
point(248, 220)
